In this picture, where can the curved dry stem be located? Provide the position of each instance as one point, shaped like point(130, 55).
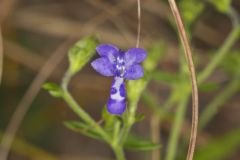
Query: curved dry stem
point(29, 96)
point(139, 23)
point(188, 56)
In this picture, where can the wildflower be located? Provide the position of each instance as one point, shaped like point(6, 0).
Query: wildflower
point(122, 65)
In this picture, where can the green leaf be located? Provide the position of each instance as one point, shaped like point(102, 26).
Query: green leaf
point(219, 148)
point(221, 5)
point(81, 53)
point(139, 117)
point(109, 119)
point(231, 63)
point(155, 53)
point(165, 77)
point(136, 143)
point(190, 10)
point(83, 129)
point(53, 89)
point(206, 87)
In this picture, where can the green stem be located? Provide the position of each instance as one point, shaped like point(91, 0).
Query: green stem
point(116, 130)
point(179, 118)
point(119, 153)
point(211, 109)
point(229, 42)
point(116, 144)
point(159, 110)
point(129, 122)
point(78, 109)
point(82, 114)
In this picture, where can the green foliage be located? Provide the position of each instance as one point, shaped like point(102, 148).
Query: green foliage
point(206, 87)
point(53, 89)
point(190, 10)
point(81, 53)
point(221, 5)
point(231, 64)
point(219, 148)
point(83, 129)
point(155, 53)
point(136, 143)
point(139, 118)
point(110, 120)
point(165, 77)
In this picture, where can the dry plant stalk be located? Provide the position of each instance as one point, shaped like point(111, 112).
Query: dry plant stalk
point(139, 23)
point(188, 56)
point(29, 96)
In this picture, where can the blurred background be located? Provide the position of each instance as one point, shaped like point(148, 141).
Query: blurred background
point(37, 34)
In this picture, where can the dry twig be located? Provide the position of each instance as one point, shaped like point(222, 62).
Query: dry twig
point(29, 96)
point(139, 23)
point(188, 55)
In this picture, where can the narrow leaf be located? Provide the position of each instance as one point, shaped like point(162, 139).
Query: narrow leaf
point(137, 143)
point(83, 129)
point(165, 77)
point(53, 89)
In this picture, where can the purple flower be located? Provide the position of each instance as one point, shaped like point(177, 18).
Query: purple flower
point(122, 65)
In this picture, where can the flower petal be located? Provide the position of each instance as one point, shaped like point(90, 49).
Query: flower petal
point(108, 50)
point(134, 72)
point(103, 66)
point(116, 107)
point(134, 55)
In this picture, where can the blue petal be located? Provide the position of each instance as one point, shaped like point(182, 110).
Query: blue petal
point(134, 72)
point(109, 51)
point(103, 66)
point(134, 55)
point(116, 107)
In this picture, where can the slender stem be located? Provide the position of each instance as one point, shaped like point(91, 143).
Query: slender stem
point(116, 130)
point(212, 108)
point(188, 56)
point(78, 110)
point(82, 114)
point(29, 96)
point(155, 130)
point(28, 150)
point(139, 23)
point(117, 145)
point(129, 122)
point(119, 153)
point(179, 118)
point(221, 53)
point(158, 114)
